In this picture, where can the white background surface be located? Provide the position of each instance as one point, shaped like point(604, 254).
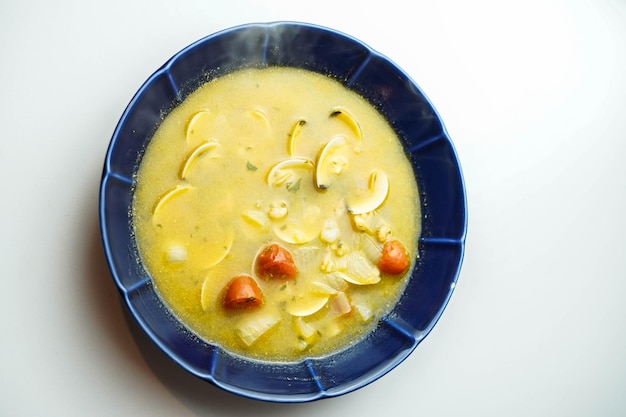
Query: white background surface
point(533, 94)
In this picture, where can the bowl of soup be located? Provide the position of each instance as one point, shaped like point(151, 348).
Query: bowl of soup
point(283, 211)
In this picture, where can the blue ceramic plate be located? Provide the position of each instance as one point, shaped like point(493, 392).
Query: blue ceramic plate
point(436, 169)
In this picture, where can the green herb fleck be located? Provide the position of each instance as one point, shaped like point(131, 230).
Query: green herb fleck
point(293, 187)
point(250, 167)
point(283, 287)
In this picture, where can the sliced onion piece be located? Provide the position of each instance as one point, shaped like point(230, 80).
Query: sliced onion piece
point(377, 191)
point(371, 248)
point(340, 304)
point(324, 288)
point(360, 270)
point(336, 282)
point(254, 326)
point(306, 255)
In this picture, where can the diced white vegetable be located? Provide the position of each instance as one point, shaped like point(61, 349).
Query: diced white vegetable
point(277, 210)
point(330, 232)
point(371, 248)
point(362, 221)
point(256, 219)
point(337, 164)
point(364, 311)
point(340, 304)
point(384, 233)
point(304, 329)
point(360, 304)
point(254, 326)
point(334, 259)
point(340, 248)
point(176, 254)
point(328, 263)
point(301, 344)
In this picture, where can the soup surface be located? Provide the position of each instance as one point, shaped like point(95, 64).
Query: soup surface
point(277, 214)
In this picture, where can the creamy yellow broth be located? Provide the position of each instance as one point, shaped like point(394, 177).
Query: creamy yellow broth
point(244, 161)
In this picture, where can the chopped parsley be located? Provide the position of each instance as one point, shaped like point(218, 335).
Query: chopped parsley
point(293, 187)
